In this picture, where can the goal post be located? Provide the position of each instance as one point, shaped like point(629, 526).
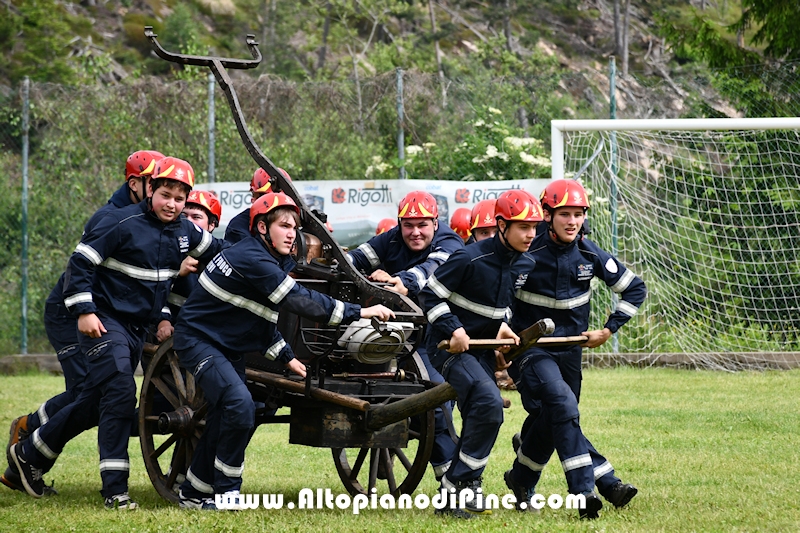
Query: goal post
point(707, 212)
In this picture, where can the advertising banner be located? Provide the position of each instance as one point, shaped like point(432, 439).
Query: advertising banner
point(355, 207)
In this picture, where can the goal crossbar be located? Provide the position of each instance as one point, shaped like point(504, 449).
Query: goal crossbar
point(558, 127)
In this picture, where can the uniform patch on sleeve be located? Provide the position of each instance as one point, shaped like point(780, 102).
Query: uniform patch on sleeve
point(611, 266)
point(585, 272)
point(183, 242)
point(521, 279)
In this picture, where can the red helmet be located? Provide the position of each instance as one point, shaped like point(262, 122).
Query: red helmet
point(482, 215)
point(418, 204)
point(260, 182)
point(564, 193)
point(172, 168)
point(268, 202)
point(206, 199)
point(142, 163)
point(517, 205)
point(385, 225)
point(460, 222)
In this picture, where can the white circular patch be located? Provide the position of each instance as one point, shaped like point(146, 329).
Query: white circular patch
point(611, 266)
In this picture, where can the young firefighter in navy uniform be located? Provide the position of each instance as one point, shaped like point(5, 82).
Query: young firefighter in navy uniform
point(117, 283)
point(549, 380)
point(202, 208)
point(405, 256)
point(246, 284)
point(469, 297)
point(239, 226)
point(61, 325)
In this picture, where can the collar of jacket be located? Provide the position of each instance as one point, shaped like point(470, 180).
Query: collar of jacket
point(284, 262)
point(121, 197)
point(558, 246)
point(504, 253)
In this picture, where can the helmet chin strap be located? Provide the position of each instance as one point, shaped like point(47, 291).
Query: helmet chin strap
point(135, 194)
point(503, 236)
point(267, 238)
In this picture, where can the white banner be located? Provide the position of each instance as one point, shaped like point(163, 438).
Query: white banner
point(355, 207)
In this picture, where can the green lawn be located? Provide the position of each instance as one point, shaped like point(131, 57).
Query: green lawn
point(709, 451)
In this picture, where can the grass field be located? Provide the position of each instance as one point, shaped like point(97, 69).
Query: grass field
point(709, 451)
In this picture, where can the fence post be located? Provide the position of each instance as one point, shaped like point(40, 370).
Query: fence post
point(211, 125)
point(612, 83)
point(26, 84)
point(401, 143)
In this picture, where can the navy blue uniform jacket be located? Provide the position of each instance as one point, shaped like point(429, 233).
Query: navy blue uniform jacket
point(235, 304)
point(120, 198)
point(239, 227)
point(389, 252)
point(125, 265)
point(560, 287)
point(474, 289)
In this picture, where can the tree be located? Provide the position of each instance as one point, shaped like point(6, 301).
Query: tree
point(777, 22)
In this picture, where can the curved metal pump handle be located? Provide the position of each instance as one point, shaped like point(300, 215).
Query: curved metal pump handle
point(204, 61)
point(309, 218)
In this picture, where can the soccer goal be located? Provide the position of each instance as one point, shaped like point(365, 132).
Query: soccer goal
point(707, 212)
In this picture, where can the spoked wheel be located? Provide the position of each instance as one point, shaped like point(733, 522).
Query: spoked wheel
point(398, 470)
point(171, 419)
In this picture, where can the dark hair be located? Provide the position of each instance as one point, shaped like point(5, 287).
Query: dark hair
point(157, 183)
point(212, 218)
point(274, 215)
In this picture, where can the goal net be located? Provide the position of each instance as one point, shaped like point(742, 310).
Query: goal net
point(707, 212)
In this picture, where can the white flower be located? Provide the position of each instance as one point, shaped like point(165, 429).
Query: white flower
point(491, 151)
point(413, 149)
point(478, 159)
point(495, 111)
point(542, 161)
point(428, 146)
point(490, 173)
point(479, 123)
point(503, 156)
point(520, 142)
point(527, 158)
point(376, 159)
point(369, 171)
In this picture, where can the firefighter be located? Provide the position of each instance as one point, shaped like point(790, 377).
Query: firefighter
point(469, 297)
point(484, 226)
point(239, 226)
point(116, 284)
point(202, 208)
point(61, 326)
point(385, 225)
point(405, 257)
point(460, 223)
point(247, 283)
point(482, 222)
point(549, 380)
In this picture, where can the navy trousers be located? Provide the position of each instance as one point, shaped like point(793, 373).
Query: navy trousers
point(61, 329)
point(218, 462)
point(549, 384)
point(444, 443)
point(108, 400)
point(481, 406)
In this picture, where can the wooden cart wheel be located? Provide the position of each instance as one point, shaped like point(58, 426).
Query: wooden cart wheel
point(398, 470)
point(171, 419)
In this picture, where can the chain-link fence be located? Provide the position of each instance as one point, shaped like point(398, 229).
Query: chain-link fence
point(80, 137)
